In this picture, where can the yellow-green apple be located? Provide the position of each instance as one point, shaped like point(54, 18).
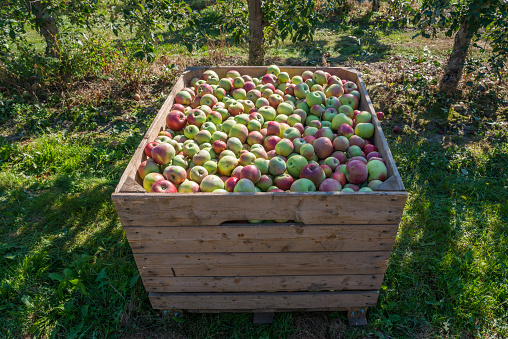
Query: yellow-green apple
point(310, 82)
point(319, 77)
point(276, 166)
point(323, 147)
point(244, 185)
point(247, 158)
point(364, 130)
point(190, 149)
point(295, 164)
point(291, 133)
point(149, 146)
point(303, 185)
point(282, 118)
point(259, 152)
point(208, 100)
point(150, 179)
point(301, 90)
point(225, 153)
point(270, 142)
point(196, 117)
point(163, 138)
point(175, 174)
point(314, 98)
point(349, 99)
point(332, 162)
point(329, 114)
point(234, 144)
point(356, 172)
point(253, 95)
point(242, 119)
point(211, 166)
point(328, 171)
point(226, 84)
point(345, 130)
point(262, 164)
point(354, 151)
point(180, 160)
point(163, 153)
point(220, 93)
point(283, 181)
point(214, 117)
point(264, 182)
point(197, 174)
point(232, 74)
point(238, 82)
point(365, 189)
point(330, 185)
point(188, 186)
point(347, 190)
point(373, 184)
point(248, 106)
point(297, 143)
point(235, 108)
point(251, 172)
point(208, 73)
point(307, 151)
point(223, 112)
point(302, 104)
point(310, 130)
point(306, 75)
point(275, 100)
point(285, 108)
point(356, 140)
point(340, 177)
point(227, 164)
point(257, 117)
point(377, 170)
point(211, 183)
point(283, 77)
point(364, 116)
point(340, 119)
point(332, 102)
point(190, 131)
point(239, 131)
point(324, 132)
point(201, 157)
point(203, 136)
point(183, 98)
point(247, 77)
point(316, 88)
point(350, 86)
point(176, 120)
point(284, 147)
point(148, 166)
point(268, 113)
point(313, 123)
point(356, 94)
point(230, 183)
point(227, 125)
point(239, 94)
point(273, 69)
point(294, 119)
point(266, 93)
point(163, 186)
point(262, 102)
point(334, 80)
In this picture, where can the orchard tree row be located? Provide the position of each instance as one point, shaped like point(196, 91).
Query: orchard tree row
point(469, 21)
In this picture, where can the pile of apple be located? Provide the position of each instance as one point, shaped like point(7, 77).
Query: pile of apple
point(273, 134)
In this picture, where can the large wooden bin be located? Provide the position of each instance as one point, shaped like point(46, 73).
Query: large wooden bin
point(192, 257)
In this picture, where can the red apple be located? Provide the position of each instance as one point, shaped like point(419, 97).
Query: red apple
point(176, 120)
point(314, 173)
point(149, 147)
point(163, 186)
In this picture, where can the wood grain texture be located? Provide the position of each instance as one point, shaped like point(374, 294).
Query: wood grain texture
point(264, 302)
point(159, 209)
point(291, 283)
point(261, 238)
point(261, 264)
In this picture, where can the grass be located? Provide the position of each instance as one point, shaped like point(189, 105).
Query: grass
point(66, 266)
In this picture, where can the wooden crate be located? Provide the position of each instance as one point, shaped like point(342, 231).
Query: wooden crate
point(191, 256)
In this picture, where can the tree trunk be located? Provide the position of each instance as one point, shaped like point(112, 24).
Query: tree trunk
point(453, 71)
point(256, 34)
point(47, 28)
point(375, 6)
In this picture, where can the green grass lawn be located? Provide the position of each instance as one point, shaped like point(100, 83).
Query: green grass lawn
point(66, 268)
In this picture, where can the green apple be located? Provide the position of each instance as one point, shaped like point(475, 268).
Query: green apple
point(295, 164)
point(364, 130)
point(303, 185)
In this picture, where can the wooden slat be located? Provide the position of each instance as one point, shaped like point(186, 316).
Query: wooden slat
point(260, 264)
point(284, 301)
point(261, 238)
point(264, 283)
point(158, 209)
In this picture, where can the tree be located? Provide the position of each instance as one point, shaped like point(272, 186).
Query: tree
point(278, 20)
point(143, 18)
point(375, 5)
point(470, 21)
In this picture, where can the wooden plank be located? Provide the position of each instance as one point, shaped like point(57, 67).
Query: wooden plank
point(158, 209)
point(346, 282)
point(264, 302)
point(261, 264)
point(261, 238)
